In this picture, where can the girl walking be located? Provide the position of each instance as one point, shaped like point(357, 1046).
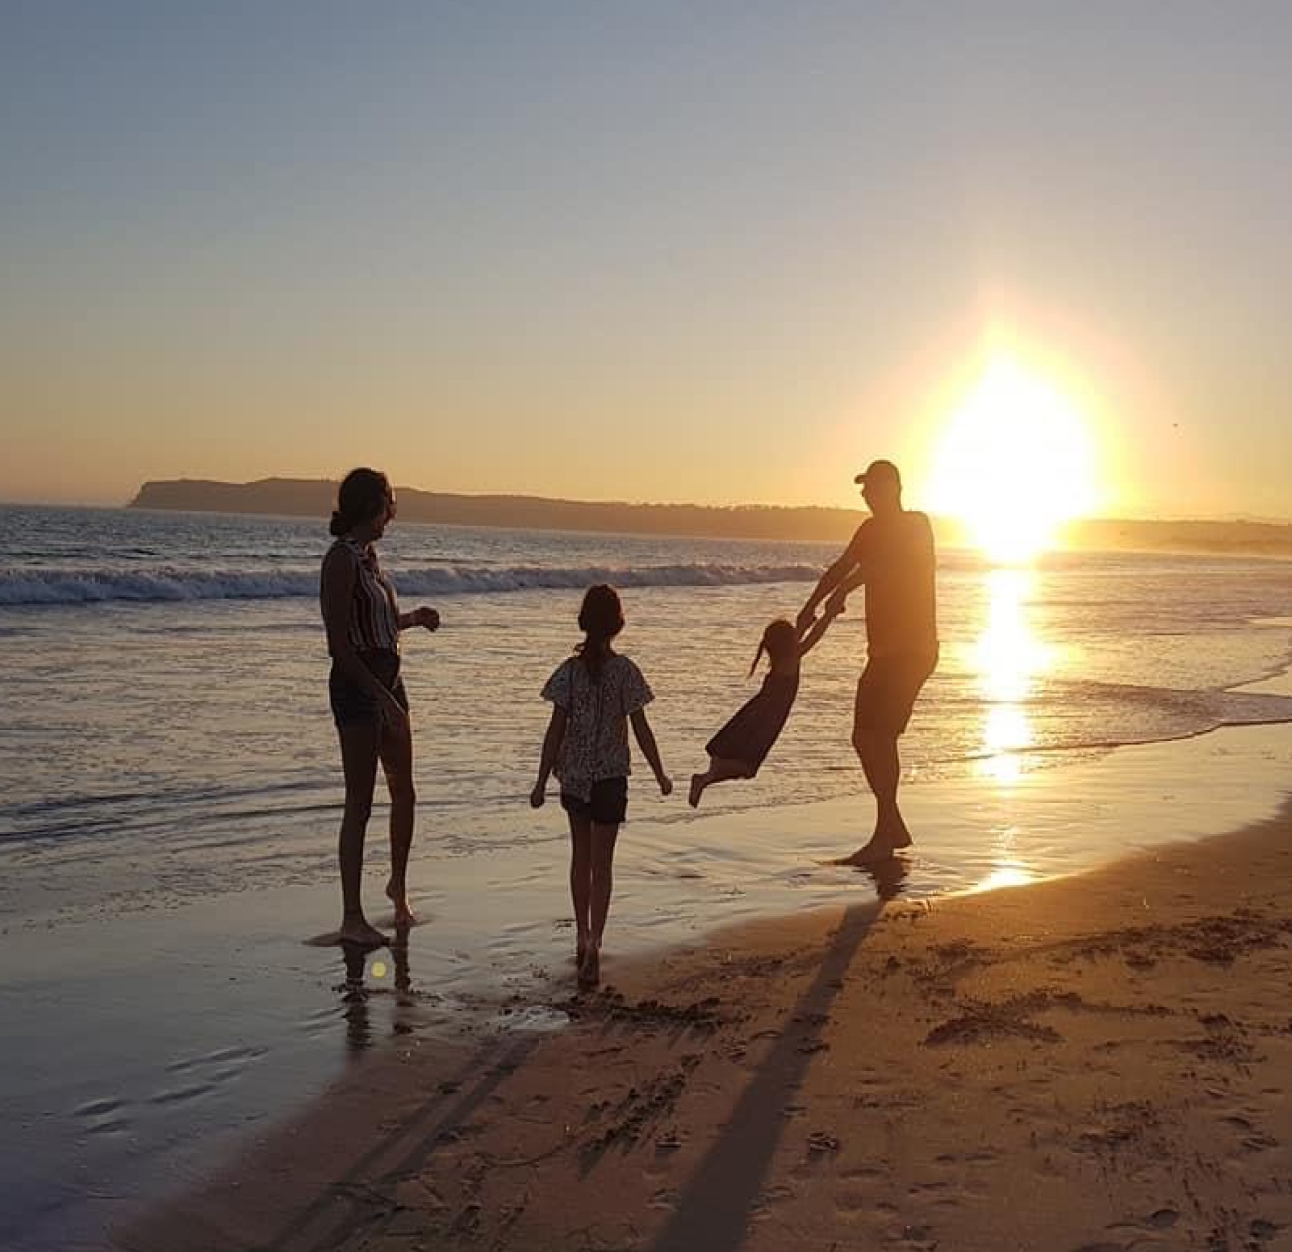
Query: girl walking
point(595, 694)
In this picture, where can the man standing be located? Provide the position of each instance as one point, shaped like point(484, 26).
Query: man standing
point(892, 554)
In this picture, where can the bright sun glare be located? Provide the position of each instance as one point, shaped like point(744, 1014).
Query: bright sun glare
point(1015, 463)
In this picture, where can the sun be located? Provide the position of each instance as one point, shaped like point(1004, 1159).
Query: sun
point(1016, 461)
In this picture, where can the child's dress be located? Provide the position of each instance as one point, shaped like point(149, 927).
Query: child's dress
point(749, 735)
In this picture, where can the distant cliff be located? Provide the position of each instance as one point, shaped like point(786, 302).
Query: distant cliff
point(314, 498)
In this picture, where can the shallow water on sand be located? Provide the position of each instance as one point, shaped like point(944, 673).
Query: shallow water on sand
point(172, 793)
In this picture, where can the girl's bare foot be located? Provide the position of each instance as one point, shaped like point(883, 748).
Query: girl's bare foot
point(697, 790)
point(355, 928)
point(404, 915)
point(590, 967)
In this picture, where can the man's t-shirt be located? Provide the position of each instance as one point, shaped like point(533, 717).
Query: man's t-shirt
point(895, 554)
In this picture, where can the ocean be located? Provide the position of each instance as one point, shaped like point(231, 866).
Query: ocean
point(171, 790)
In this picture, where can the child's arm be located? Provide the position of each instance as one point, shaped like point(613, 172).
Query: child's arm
point(551, 749)
point(650, 750)
point(818, 628)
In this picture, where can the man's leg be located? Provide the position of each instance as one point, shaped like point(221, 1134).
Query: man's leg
point(883, 770)
point(876, 748)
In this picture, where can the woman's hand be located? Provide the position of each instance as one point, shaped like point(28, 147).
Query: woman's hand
point(538, 795)
point(665, 785)
point(427, 617)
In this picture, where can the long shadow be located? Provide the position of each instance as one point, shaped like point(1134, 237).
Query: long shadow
point(713, 1211)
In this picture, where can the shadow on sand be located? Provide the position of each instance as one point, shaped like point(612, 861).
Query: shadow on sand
point(713, 1212)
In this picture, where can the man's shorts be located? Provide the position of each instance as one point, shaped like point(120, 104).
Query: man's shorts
point(608, 805)
point(887, 690)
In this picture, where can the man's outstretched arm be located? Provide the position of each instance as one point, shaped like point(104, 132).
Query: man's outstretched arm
point(843, 570)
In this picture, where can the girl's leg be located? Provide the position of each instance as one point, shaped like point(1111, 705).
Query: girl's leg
point(396, 748)
point(359, 749)
point(721, 769)
point(580, 879)
point(603, 838)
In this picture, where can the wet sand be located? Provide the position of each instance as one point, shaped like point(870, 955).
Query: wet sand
point(1091, 1064)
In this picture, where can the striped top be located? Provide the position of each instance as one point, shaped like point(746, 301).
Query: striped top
point(374, 609)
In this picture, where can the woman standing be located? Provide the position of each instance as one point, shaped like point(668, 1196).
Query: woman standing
point(369, 704)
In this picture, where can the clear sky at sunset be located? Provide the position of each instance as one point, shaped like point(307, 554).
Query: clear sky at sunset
point(723, 253)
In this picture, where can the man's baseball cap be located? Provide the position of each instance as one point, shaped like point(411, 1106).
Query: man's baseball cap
point(879, 471)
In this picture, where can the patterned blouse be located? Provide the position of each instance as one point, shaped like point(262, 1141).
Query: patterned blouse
point(596, 735)
point(374, 608)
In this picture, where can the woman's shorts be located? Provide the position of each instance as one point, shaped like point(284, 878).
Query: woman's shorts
point(353, 705)
point(608, 805)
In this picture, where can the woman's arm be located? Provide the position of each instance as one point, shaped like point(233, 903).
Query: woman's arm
point(650, 750)
point(336, 590)
point(552, 741)
point(424, 615)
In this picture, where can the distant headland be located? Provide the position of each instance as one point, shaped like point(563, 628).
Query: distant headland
point(307, 497)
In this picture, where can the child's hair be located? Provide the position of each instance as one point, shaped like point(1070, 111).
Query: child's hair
point(363, 494)
point(601, 618)
point(780, 641)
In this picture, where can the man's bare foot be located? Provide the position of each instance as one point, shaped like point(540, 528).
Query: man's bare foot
point(404, 915)
point(590, 967)
point(893, 832)
point(356, 929)
point(697, 790)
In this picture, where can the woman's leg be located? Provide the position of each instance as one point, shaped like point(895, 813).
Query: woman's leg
point(720, 770)
point(580, 878)
point(603, 836)
point(359, 750)
point(396, 748)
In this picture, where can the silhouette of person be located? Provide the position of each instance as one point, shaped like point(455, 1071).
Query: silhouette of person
point(369, 705)
point(892, 555)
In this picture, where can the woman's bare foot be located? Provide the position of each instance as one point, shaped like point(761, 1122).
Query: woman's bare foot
point(404, 915)
point(355, 928)
point(697, 790)
point(590, 967)
point(876, 852)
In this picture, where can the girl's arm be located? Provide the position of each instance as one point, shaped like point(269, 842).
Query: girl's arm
point(552, 741)
point(335, 593)
point(650, 750)
point(818, 629)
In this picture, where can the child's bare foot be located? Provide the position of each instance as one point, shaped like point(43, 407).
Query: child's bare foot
point(355, 928)
point(590, 967)
point(697, 790)
point(404, 915)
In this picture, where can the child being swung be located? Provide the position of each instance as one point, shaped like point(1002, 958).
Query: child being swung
point(738, 749)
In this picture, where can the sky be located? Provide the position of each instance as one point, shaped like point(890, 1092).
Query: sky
point(709, 252)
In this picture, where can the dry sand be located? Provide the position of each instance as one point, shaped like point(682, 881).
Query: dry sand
point(1098, 1063)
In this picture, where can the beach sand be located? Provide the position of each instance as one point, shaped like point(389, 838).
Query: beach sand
point(1094, 1063)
